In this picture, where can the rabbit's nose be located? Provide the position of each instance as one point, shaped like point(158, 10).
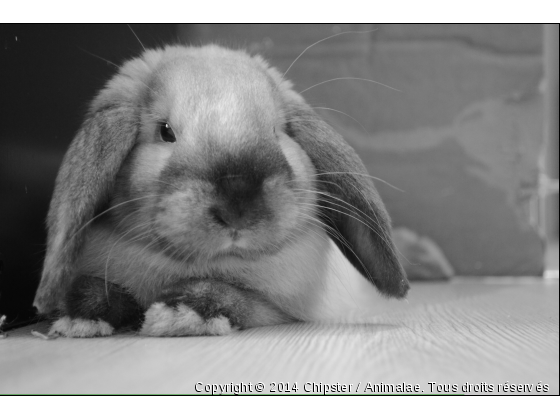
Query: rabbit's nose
point(236, 216)
point(228, 218)
point(239, 187)
point(239, 202)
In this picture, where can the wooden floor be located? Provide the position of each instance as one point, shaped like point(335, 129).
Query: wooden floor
point(474, 331)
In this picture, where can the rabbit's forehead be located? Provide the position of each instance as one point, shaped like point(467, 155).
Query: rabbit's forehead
point(210, 80)
point(211, 91)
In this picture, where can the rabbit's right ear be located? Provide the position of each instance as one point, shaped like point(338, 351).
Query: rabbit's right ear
point(83, 185)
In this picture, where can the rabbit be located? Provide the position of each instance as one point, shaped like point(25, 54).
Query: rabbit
point(202, 195)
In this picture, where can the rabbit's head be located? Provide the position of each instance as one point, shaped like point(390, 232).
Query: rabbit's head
point(214, 156)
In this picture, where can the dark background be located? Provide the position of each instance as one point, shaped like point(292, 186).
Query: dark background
point(48, 74)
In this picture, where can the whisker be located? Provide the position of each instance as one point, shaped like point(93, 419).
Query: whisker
point(336, 234)
point(165, 183)
point(343, 113)
point(148, 269)
point(381, 234)
point(386, 239)
point(376, 221)
point(101, 58)
point(323, 225)
point(113, 246)
point(134, 33)
point(361, 174)
point(124, 219)
point(109, 209)
point(324, 39)
point(349, 78)
point(353, 217)
point(306, 229)
point(116, 65)
point(344, 202)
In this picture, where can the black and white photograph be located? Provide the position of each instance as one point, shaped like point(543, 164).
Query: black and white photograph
point(279, 209)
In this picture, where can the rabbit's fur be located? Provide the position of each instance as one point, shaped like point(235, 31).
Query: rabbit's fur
point(232, 225)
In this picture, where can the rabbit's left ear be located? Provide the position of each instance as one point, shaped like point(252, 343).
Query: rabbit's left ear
point(83, 185)
point(349, 203)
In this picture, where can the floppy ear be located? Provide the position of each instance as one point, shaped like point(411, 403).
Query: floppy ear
point(349, 203)
point(83, 184)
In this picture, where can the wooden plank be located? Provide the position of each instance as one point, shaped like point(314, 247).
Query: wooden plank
point(448, 333)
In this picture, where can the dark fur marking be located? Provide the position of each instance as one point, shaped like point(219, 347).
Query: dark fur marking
point(240, 202)
point(253, 165)
point(93, 298)
point(289, 130)
point(212, 298)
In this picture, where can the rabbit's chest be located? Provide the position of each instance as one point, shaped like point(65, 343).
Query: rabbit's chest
point(293, 279)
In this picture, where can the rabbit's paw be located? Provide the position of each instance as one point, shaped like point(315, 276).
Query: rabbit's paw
point(163, 320)
point(80, 328)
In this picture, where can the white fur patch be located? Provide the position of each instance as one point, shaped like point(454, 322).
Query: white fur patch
point(162, 320)
point(150, 159)
point(78, 327)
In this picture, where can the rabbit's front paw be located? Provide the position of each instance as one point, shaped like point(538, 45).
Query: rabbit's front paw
point(80, 328)
point(178, 320)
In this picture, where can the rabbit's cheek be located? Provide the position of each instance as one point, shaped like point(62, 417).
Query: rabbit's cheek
point(282, 202)
point(149, 161)
point(179, 213)
point(300, 164)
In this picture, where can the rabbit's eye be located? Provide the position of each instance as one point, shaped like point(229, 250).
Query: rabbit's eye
point(166, 132)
